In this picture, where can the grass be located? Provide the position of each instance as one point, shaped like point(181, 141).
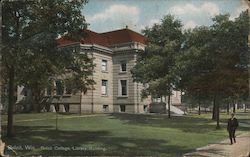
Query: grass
point(115, 134)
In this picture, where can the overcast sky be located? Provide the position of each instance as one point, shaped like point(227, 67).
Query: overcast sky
point(108, 15)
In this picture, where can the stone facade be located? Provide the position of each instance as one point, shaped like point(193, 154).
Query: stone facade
point(94, 100)
point(114, 101)
point(115, 54)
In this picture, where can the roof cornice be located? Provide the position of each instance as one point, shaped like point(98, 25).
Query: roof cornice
point(96, 47)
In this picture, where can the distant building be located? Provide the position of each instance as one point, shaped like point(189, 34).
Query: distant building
point(115, 53)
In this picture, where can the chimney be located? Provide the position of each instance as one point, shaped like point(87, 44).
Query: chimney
point(126, 26)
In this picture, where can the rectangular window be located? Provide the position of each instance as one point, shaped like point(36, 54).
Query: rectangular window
point(105, 108)
point(123, 88)
point(104, 87)
point(104, 65)
point(123, 67)
point(66, 107)
point(145, 108)
point(122, 108)
point(59, 87)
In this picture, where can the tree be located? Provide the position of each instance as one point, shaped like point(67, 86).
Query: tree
point(194, 64)
point(155, 66)
point(30, 29)
point(13, 21)
point(214, 60)
point(230, 53)
point(79, 70)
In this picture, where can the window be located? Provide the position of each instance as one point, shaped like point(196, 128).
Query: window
point(57, 107)
point(145, 108)
point(104, 87)
point(123, 88)
point(122, 108)
point(66, 107)
point(123, 67)
point(105, 108)
point(104, 65)
point(59, 87)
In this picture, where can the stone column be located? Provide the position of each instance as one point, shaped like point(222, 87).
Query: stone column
point(52, 108)
point(61, 108)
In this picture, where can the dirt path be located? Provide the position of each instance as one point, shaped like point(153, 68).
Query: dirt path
point(224, 149)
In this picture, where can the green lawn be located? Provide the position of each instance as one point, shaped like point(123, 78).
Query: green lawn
point(115, 134)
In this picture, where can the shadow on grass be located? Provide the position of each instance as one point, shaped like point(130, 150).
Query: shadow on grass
point(184, 123)
point(245, 121)
point(98, 143)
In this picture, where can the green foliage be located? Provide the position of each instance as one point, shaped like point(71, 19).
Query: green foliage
point(79, 71)
point(213, 64)
point(194, 65)
point(155, 66)
point(214, 58)
point(230, 50)
point(30, 55)
point(30, 46)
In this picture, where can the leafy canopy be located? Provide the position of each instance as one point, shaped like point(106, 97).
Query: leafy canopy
point(155, 66)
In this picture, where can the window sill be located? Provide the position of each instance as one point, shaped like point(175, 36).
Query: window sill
point(122, 72)
point(104, 95)
point(122, 96)
point(103, 71)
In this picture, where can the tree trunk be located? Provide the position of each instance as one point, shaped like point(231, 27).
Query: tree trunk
point(37, 106)
point(92, 100)
point(169, 116)
point(213, 113)
point(80, 102)
point(214, 109)
point(199, 103)
point(217, 105)
point(36, 97)
point(92, 97)
point(205, 108)
point(199, 108)
point(228, 108)
point(217, 116)
point(11, 102)
point(190, 108)
point(234, 106)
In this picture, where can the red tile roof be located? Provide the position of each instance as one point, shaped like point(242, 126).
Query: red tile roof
point(107, 39)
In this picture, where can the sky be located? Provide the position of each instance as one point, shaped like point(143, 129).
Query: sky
point(109, 15)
